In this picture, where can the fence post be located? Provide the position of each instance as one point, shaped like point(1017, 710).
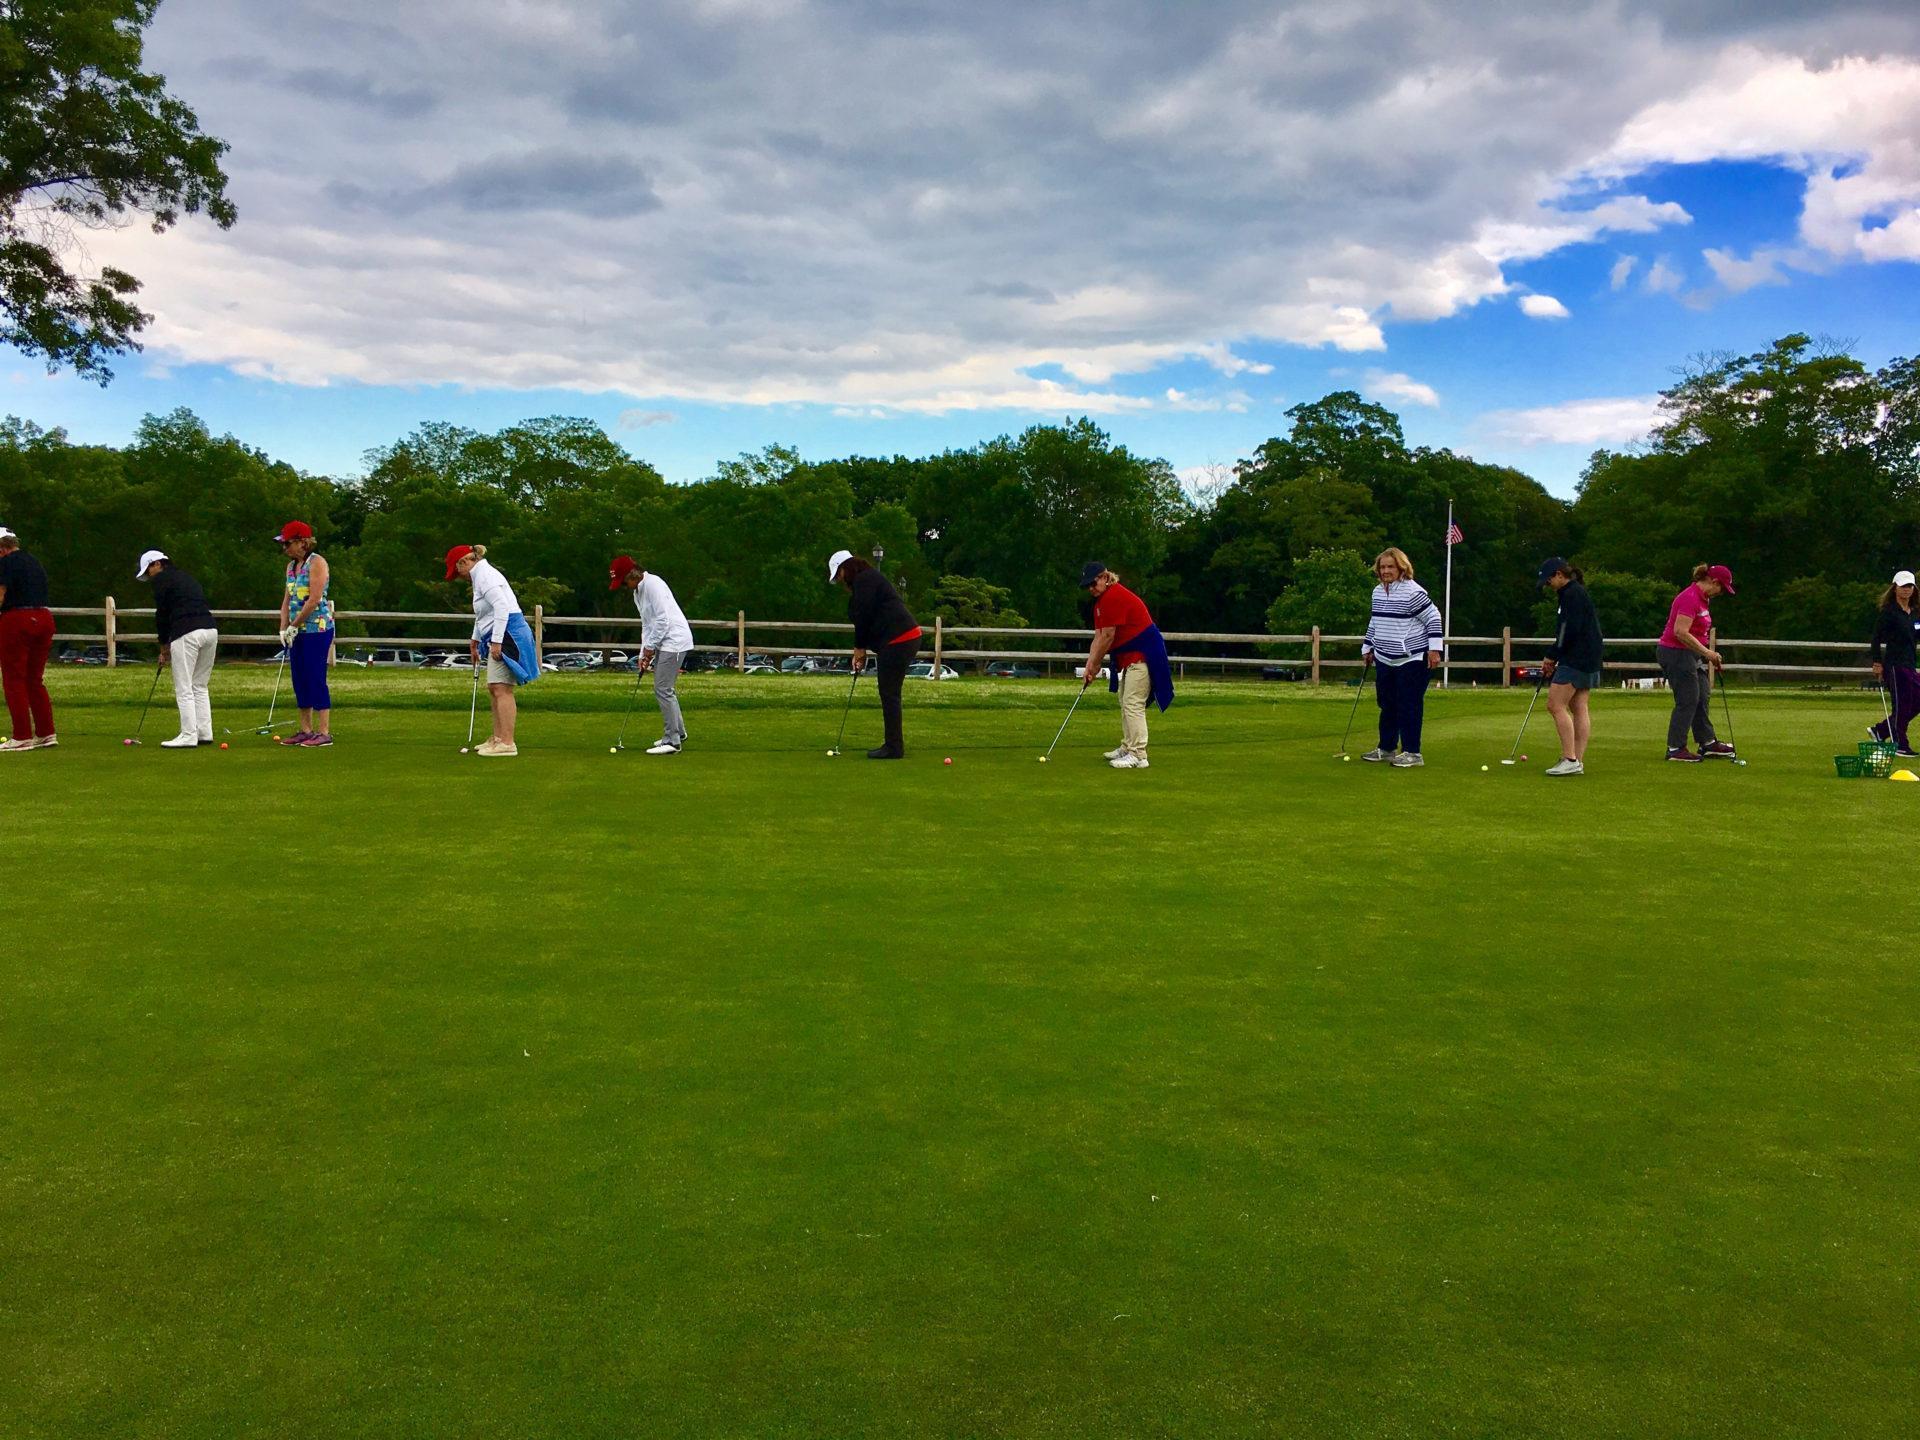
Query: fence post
point(1316, 654)
point(539, 636)
point(938, 621)
point(113, 630)
point(1506, 657)
point(740, 641)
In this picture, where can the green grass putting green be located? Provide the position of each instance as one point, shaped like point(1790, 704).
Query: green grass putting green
point(381, 1091)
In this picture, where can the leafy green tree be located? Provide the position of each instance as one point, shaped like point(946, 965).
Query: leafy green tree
point(87, 137)
point(1332, 589)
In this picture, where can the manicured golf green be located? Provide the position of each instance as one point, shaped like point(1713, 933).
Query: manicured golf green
point(382, 1091)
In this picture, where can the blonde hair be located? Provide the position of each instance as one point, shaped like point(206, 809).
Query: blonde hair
point(1700, 573)
point(1398, 557)
point(478, 552)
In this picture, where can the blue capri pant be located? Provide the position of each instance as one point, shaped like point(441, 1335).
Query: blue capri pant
point(309, 665)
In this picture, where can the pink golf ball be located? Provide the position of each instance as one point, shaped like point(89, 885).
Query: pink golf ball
point(1523, 757)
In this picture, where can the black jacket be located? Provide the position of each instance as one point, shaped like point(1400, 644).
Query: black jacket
point(25, 580)
point(878, 613)
point(1893, 637)
point(1578, 641)
point(179, 605)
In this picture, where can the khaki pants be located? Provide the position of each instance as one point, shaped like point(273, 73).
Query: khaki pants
point(192, 660)
point(1136, 688)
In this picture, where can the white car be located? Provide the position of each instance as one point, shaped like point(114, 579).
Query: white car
point(923, 670)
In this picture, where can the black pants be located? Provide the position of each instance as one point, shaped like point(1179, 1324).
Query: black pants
point(894, 660)
point(1692, 685)
point(1402, 693)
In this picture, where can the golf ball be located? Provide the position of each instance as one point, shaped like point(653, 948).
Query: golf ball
point(463, 749)
point(223, 744)
point(1483, 767)
point(127, 741)
point(1043, 759)
point(1347, 758)
point(613, 749)
point(830, 754)
point(1523, 757)
point(947, 761)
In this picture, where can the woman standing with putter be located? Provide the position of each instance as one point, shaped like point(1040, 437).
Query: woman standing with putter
point(1572, 664)
point(1405, 643)
point(306, 633)
point(882, 624)
point(1894, 662)
point(1688, 660)
point(503, 630)
point(183, 623)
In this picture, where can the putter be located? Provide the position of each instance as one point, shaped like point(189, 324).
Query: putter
point(1347, 734)
point(846, 710)
point(135, 738)
point(473, 708)
point(1523, 723)
point(1069, 720)
point(638, 671)
point(1726, 709)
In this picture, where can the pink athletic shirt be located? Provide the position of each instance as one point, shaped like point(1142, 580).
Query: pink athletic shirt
point(1688, 602)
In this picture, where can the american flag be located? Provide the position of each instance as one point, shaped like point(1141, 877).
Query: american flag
point(1454, 537)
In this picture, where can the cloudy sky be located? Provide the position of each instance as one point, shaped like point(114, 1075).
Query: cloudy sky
point(888, 226)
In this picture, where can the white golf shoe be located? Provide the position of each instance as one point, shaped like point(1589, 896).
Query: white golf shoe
point(663, 747)
point(1115, 753)
point(1127, 760)
point(181, 742)
point(1567, 767)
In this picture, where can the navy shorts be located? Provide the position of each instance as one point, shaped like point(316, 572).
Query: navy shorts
point(1578, 679)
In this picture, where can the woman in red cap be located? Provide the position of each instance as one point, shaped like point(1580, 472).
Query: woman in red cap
point(1688, 660)
point(306, 633)
point(509, 651)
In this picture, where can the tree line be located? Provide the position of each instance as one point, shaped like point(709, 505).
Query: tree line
point(1797, 466)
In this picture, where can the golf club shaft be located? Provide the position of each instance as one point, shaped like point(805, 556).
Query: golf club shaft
point(621, 743)
point(845, 711)
point(1347, 734)
point(1528, 716)
point(1069, 720)
point(276, 686)
point(151, 689)
point(473, 704)
point(1726, 707)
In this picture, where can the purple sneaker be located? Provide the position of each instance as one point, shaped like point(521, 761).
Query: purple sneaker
point(314, 740)
point(1684, 756)
point(298, 737)
point(1718, 750)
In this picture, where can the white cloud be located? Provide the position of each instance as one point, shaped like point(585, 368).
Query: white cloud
point(1575, 422)
point(645, 419)
point(1543, 307)
point(1401, 387)
point(1622, 270)
point(773, 202)
point(1662, 279)
point(1735, 274)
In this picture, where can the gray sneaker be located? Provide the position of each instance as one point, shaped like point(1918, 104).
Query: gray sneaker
point(1115, 753)
point(1408, 760)
point(1376, 755)
point(1567, 767)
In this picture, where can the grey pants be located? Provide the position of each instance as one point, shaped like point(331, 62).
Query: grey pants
point(1692, 685)
point(666, 670)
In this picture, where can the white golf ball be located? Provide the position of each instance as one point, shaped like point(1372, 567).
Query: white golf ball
point(613, 749)
point(463, 749)
point(1043, 759)
point(1483, 767)
point(1347, 758)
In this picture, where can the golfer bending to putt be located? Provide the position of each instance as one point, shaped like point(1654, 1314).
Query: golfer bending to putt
point(1141, 671)
point(188, 640)
point(665, 640)
point(882, 624)
point(498, 625)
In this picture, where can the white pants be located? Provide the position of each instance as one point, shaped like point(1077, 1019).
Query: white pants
point(192, 659)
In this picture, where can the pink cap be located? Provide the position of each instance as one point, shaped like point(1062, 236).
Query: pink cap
point(1724, 576)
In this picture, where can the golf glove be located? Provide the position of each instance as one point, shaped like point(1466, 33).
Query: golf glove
point(286, 635)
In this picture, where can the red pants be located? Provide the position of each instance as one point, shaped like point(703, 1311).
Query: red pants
point(26, 637)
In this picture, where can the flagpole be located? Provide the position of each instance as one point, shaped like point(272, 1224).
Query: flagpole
point(1446, 619)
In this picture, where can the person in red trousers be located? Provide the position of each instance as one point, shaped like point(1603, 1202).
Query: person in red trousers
point(26, 637)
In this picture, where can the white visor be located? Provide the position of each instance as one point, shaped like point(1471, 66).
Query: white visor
point(147, 559)
point(6, 534)
point(835, 561)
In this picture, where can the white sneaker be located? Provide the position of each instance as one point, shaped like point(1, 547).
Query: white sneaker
point(1376, 755)
point(181, 742)
point(1408, 760)
point(1567, 767)
point(1129, 761)
point(17, 747)
point(663, 747)
point(1115, 753)
point(494, 750)
point(47, 742)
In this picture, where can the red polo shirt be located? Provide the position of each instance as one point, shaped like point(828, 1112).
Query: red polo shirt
point(1127, 613)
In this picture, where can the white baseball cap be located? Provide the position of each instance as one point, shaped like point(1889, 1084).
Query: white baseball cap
point(835, 561)
point(6, 534)
point(147, 559)
point(1900, 577)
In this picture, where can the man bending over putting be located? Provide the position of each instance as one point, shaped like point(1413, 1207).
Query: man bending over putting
point(665, 640)
point(1123, 629)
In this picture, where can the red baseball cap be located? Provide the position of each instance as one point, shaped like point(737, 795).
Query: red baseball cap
point(1725, 576)
point(617, 572)
point(293, 530)
point(455, 556)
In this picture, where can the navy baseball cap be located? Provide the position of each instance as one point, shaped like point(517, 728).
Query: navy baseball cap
point(1549, 569)
point(1090, 572)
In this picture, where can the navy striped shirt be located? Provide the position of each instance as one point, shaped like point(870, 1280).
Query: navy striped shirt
point(1405, 624)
